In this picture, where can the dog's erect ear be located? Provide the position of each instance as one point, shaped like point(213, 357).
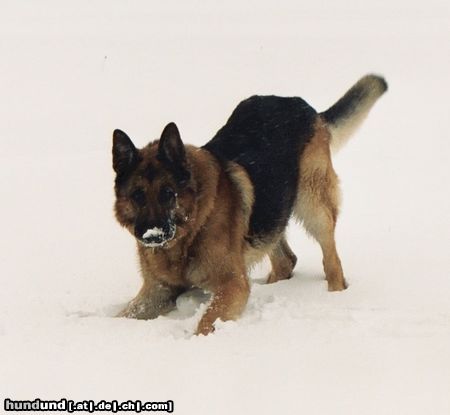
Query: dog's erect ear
point(172, 153)
point(124, 152)
point(171, 148)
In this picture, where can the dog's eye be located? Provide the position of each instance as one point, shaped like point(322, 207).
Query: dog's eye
point(138, 196)
point(167, 195)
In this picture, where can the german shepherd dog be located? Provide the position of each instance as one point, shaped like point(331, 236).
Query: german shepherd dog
point(203, 216)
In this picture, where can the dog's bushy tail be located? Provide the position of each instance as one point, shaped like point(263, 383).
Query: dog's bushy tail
point(346, 115)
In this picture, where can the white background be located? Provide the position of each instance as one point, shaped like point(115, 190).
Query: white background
point(71, 72)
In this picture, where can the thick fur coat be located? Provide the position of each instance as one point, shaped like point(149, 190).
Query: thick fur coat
point(202, 216)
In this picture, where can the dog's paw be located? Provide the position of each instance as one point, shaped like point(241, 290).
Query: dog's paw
point(125, 313)
point(273, 277)
point(204, 328)
point(337, 285)
point(132, 310)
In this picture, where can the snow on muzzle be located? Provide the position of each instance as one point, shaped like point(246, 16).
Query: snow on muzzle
point(156, 235)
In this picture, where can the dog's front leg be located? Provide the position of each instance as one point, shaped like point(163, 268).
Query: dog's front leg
point(229, 300)
point(153, 300)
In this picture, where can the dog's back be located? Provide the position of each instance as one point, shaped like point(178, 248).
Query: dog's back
point(266, 135)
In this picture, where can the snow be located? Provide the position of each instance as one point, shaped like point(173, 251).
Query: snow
point(73, 72)
point(153, 232)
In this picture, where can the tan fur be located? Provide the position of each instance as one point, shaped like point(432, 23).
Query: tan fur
point(244, 185)
point(318, 202)
point(208, 250)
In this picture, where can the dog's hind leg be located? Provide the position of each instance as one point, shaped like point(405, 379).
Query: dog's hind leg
point(321, 227)
point(318, 204)
point(283, 261)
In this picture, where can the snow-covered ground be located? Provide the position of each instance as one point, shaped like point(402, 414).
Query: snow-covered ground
point(71, 72)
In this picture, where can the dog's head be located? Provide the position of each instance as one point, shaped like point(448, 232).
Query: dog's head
point(154, 189)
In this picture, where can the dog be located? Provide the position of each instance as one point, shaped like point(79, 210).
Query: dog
point(203, 216)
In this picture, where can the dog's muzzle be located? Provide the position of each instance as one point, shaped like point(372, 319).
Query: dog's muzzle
point(157, 236)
